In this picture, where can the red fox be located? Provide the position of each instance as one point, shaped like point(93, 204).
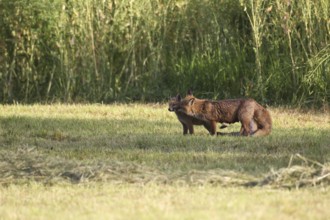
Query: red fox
point(187, 121)
point(255, 119)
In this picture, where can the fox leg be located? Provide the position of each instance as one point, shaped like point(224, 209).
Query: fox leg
point(241, 132)
point(207, 126)
point(185, 128)
point(213, 127)
point(247, 124)
point(245, 116)
point(246, 128)
point(190, 128)
point(253, 127)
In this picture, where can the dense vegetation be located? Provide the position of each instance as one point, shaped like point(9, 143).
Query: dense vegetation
point(276, 51)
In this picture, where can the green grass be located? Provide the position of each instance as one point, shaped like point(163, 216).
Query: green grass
point(133, 161)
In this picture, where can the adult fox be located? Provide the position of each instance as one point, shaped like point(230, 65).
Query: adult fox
point(255, 119)
point(187, 121)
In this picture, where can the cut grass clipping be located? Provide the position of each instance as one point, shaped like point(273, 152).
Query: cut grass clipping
point(28, 165)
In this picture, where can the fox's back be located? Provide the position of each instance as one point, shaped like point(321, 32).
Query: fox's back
point(227, 110)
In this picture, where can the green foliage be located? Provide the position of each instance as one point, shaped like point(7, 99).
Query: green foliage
point(111, 50)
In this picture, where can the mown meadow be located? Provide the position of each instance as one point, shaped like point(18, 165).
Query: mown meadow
point(62, 156)
point(131, 161)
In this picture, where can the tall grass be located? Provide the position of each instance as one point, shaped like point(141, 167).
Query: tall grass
point(106, 50)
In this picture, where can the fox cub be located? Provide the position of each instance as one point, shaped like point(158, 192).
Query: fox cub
point(187, 121)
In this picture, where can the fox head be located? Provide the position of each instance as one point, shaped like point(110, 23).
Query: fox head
point(174, 103)
point(186, 105)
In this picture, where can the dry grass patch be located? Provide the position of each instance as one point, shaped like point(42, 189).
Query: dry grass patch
point(29, 165)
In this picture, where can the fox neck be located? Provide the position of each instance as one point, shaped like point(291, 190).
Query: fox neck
point(198, 110)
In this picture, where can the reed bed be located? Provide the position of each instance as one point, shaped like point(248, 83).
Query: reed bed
point(141, 50)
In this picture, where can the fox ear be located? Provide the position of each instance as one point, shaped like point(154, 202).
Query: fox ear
point(189, 92)
point(191, 101)
point(178, 97)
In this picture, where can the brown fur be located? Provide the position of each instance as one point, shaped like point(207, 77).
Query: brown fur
point(187, 121)
point(255, 119)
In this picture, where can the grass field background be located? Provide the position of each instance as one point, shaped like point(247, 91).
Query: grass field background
point(126, 161)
